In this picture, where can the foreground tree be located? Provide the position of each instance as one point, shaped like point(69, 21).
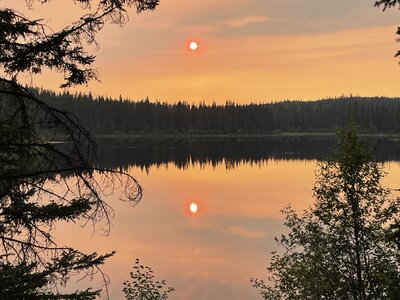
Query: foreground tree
point(338, 249)
point(385, 4)
point(41, 181)
point(142, 285)
point(29, 45)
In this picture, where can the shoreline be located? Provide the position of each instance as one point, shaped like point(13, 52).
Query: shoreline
point(239, 135)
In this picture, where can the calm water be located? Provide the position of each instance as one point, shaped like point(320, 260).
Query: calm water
point(240, 187)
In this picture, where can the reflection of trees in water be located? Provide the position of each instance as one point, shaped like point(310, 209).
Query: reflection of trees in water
point(145, 153)
point(43, 182)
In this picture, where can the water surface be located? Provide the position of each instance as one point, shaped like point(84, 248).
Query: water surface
point(240, 187)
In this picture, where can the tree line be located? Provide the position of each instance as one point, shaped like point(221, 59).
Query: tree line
point(104, 115)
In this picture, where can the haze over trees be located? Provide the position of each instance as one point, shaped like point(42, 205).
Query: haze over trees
point(41, 183)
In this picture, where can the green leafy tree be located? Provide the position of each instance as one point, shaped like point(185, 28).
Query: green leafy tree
point(338, 249)
point(42, 181)
point(142, 285)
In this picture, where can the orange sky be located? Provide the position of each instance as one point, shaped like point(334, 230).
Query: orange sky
point(249, 51)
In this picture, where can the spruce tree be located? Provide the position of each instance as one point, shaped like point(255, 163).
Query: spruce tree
point(43, 181)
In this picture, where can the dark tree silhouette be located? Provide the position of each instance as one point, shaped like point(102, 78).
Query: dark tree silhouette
point(43, 181)
point(338, 248)
point(29, 45)
point(385, 4)
point(123, 116)
point(143, 286)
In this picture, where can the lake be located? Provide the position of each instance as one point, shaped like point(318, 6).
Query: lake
point(240, 187)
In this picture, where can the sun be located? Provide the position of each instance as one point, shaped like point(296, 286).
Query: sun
point(193, 208)
point(193, 46)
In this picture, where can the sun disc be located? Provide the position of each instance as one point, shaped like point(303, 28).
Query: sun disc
point(193, 208)
point(193, 46)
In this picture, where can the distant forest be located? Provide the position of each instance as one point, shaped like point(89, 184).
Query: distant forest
point(122, 116)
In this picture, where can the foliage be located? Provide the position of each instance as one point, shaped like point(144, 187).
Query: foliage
point(43, 181)
point(143, 287)
point(29, 45)
point(385, 4)
point(338, 249)
point(107, 116)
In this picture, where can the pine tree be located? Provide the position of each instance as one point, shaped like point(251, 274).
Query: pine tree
point(41, 181)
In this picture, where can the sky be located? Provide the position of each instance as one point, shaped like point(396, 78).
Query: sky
point(249, 51)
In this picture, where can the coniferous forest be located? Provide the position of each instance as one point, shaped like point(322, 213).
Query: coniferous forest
point(123, 116)
point(83, 160)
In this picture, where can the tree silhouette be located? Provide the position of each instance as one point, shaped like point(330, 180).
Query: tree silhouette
point(385, 4)
point(43, 180)
point(29, 45)
point(339, 248)
point(143, 286)
point(124, 116)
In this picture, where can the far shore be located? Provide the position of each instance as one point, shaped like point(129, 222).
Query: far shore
point(237, 135)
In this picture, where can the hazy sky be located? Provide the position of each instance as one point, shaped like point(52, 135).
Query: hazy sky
point(253, 50)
